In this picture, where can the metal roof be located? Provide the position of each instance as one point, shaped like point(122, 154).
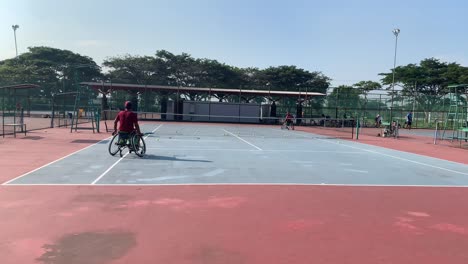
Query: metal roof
point(20, 86)
point(458, 85)
point(459, 88)
point(104, 87)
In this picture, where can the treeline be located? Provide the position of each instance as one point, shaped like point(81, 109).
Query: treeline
point(57, 70)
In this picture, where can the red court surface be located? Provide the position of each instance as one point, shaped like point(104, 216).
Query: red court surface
point(233, 224)
point(223, 223)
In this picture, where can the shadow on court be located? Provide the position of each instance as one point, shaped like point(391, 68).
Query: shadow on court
point(157, 157)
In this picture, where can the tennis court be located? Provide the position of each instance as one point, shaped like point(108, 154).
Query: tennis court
point(231, 193)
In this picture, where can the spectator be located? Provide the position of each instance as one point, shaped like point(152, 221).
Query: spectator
point(378, 120)
point(409, 120)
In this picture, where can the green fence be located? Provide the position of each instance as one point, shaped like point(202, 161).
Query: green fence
point(426, 109)
point(23, 106)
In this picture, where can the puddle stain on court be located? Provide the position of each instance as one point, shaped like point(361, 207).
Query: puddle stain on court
point(89, 248)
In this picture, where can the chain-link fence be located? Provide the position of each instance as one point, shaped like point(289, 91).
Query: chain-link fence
point(37, 111)
point(22, 109)
point(426, 109)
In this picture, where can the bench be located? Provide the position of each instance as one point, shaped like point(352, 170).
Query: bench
point(465, 137)
point(12, 120)
point(461, 137)
point(22, 126)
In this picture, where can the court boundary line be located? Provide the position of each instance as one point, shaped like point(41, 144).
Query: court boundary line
point(119, 160)
point(401, 158)
point(238, 184)
point(304, 134)
point(110, 168)
point(311, 134)
point(339, 140)
point(52, 162)
point(265, 150)
point(242, 140)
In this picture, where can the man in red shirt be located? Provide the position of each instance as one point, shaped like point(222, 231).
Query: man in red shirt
point(128, 123)
point(288, 122)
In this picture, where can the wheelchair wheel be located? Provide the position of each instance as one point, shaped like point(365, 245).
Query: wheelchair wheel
point(114, 147)
point(139, 145)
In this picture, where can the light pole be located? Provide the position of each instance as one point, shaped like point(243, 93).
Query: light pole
point(15, 27)
point(396, 31)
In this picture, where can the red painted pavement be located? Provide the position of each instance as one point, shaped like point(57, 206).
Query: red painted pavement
point(219, 224)
point(233, 224)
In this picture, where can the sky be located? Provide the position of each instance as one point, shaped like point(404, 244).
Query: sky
point(348, 41)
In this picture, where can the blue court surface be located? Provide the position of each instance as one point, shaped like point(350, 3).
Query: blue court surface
point(179, 153)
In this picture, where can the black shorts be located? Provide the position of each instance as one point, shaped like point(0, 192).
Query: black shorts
point(289, 122)
point(409, 123)
point(124, 135)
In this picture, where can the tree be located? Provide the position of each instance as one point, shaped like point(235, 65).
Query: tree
point(136, 70)
point(252, 78)
point(55, 70)
point(431, 76)
point(427, 82)
point(345, 97)
point(291, 78)
point(131, 69)
point(367, 86)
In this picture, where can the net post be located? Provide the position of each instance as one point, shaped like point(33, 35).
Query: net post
point(52, 119)
point(357, 129)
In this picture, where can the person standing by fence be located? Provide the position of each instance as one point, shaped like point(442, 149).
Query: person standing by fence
point(378, 121)
point(409, 120)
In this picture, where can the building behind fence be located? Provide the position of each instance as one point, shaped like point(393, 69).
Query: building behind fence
point(427, 109)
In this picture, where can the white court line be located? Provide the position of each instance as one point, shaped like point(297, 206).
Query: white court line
point(119, 160)
point(359, 171)
point(57, 160)
point(242, 139)
point(191, 140)
point(110, 168)
point(396, 157)
point(388, 155)
point(265, 150)
point(237, 184)
point(301, 133)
